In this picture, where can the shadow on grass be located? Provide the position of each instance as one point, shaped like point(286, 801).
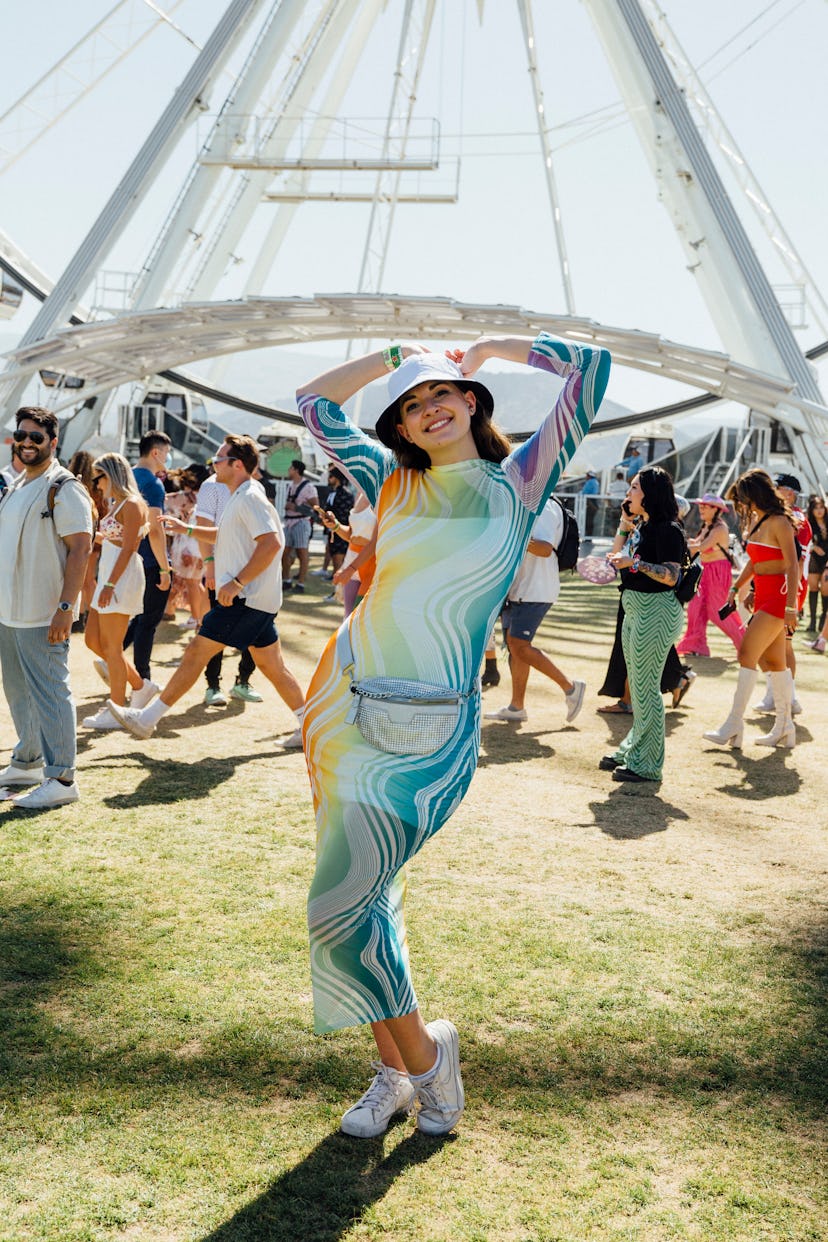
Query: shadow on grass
point(624, 821)
point(508, 743)
point(770, 776)
point(168, 780)
point(324, 1197)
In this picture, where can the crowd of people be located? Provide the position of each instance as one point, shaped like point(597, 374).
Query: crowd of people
point(434, 531)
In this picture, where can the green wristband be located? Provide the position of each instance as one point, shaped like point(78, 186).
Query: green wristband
point(392, 356)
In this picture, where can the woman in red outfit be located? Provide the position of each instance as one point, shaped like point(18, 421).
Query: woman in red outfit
point(773, 564)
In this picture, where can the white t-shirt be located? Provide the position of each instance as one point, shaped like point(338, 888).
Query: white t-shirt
point(537, 580)
point(247, 515)
point(32, 551)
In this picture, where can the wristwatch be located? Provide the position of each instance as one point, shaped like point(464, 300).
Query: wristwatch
point(64, 607)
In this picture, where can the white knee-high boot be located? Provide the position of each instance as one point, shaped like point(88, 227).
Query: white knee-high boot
point(783, 732)
point(730, 733)
point(765, 704)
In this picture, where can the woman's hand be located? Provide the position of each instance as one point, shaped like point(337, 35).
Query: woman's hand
point(106, 597)
point(472, 359)
point(619, 559)
point(170, 523)
point(343, 575)
point(410, 348)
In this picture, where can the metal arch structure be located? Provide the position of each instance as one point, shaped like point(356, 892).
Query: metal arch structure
point(145, 343)
point(218, 197)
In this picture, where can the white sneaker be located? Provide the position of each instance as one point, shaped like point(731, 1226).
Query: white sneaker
point(293, 741)
point(130, 718)
point(507, 713)
point(390, 1093)
point(50, 793)
point(441, 1099)
point(100, 667)
point(14, 777)
point(102, 720)
point(145, 695)
point(574, 700)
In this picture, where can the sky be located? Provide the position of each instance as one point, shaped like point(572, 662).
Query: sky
point(762, 61)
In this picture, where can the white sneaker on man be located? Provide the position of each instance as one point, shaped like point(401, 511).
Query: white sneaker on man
point(390, 1093)
point(145, 695)
point(101, 720)
point(507, 713)
point(293, 741)
point(441, 1098)
point(574, 700)
point(14, 777)
point(102, 669)
point(50, 793)
point(132, 720)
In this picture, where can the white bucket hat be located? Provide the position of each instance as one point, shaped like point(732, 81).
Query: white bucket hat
point(419, 369)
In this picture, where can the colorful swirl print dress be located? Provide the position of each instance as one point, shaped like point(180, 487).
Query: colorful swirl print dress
point(449, 542)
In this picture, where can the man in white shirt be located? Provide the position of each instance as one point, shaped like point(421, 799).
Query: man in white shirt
point(531, 595)
point(210, 505)
point(45, 541)
point(302, 498)
point(248, 543)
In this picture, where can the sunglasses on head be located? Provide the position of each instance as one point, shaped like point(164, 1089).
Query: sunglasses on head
point(36, 437)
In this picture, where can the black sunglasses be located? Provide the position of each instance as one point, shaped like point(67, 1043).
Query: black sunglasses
point(96, 478)
point(36, 437)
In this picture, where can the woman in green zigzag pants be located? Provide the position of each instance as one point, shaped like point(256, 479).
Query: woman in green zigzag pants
point(650, 564)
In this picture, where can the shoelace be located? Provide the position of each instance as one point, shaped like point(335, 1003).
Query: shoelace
point(428, 1097)
point(381, 1087)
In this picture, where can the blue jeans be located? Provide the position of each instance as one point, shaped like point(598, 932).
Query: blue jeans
point(36, 685)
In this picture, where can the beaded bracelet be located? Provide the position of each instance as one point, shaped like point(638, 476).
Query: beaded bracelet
point(634, 564)
point(392, 356)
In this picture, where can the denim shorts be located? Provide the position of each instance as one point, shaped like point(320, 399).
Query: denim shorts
point(522, 619)
point(239, 626)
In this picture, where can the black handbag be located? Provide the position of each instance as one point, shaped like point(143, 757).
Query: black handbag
point(688, 583)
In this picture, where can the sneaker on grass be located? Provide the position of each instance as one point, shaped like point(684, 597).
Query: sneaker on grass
point(574, 700)
point(101, 720)
point(50, 793)
point(390, 1093)
point(14, 777)
point(132, 719)
point(440, 1096)
point(242, 690)
point(507, 713)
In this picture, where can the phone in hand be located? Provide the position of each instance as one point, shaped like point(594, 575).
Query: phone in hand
point(625, 508)
point(726, 610)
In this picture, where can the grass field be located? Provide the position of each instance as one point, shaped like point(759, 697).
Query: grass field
point(638, 976)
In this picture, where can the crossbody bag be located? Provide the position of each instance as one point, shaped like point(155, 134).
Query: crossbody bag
point(396, 715)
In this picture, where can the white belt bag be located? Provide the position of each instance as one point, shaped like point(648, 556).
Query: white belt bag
point(396, 715)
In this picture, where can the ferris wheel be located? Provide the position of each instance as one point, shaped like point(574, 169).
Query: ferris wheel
point(277, 136)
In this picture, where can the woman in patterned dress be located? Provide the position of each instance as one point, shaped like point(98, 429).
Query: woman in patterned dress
point(455, 509)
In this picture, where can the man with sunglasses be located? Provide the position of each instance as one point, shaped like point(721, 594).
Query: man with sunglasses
point(45, 541)
point(248, 543)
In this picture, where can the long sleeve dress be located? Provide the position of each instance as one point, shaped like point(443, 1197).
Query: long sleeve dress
point(450, 539)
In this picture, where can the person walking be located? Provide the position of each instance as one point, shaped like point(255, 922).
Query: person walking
point(817, 563)
point(154, 449)
point(773, 563)
point(248, 544)
point(119, 594)
point(535, 589)
point(45, 540)
point(301, 500)
point(211, 502)
point(650, 565)
point(713, 547)
point(455, 509)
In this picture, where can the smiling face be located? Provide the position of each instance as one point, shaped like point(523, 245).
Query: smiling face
point(708, 512)
point(436, 417)
point(36, 449)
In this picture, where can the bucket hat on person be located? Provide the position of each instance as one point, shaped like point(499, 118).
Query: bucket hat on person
point(420, 369)
point(709, 498)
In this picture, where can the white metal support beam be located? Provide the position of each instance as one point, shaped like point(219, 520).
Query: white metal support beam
point(129, 193)
point(528, 26)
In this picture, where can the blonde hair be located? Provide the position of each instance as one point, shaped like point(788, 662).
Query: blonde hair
point(121, 479)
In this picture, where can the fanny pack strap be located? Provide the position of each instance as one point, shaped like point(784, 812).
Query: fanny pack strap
point(344, 650)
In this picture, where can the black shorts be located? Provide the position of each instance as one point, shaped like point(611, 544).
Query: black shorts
point(239, 626)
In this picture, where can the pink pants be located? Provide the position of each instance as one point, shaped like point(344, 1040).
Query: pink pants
point(704, 607)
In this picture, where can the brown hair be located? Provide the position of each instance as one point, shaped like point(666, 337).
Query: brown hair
point(81, 466)
point(244, 449)
point(755, 489)
point(490, 441)
point(37, 414)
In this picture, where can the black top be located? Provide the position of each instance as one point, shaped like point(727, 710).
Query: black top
point(658, 543)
